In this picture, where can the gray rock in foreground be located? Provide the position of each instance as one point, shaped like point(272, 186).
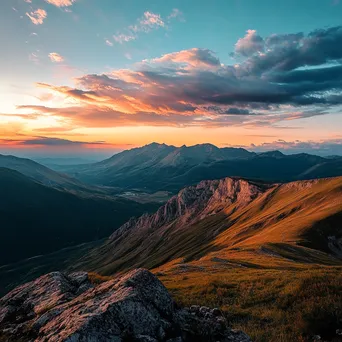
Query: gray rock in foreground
point(134, 307)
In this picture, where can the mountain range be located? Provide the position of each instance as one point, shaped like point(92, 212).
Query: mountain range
point(161, 167)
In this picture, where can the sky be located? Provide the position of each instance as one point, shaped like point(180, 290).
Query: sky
point(93, 77)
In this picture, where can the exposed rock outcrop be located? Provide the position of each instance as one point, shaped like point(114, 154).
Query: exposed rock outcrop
point(134, 307)
point(196, 202)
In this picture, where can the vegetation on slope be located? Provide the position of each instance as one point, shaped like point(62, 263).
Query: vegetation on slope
point(288, 214)
point(36, 219)
point(268, 264)
point(270, 305)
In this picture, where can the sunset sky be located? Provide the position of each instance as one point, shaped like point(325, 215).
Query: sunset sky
point(87, 77)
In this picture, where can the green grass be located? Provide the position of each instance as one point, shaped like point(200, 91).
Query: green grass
point(269, 305)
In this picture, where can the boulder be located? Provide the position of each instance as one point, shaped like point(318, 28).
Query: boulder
point(134, 307)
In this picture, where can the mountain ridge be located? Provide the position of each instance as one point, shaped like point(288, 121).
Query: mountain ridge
point(213, 218)
point(44, 175)
point(159, 167)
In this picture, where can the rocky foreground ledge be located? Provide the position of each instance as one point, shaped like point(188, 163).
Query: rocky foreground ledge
point(135, 307)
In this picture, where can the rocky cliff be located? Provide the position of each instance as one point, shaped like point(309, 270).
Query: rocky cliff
point(196, 202)
point(134, 307)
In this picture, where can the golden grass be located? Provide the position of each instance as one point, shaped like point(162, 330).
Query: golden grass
point(267, 265)
point(270, 305)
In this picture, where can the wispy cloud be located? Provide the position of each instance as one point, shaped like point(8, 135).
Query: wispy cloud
point(176, 14)
point(108, 42)
point(121, 38)
point(34, 57)
point(148, 22)
point(61, 3)
point(37, 17)
point(47, 141)
point(56, 57)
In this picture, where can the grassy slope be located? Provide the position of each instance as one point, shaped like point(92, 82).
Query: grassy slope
point(283, 216)
point(267, 266)
point(271, 305)
point(267, 283)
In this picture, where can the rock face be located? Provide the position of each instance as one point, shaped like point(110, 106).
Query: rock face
point(134, 307)
point(196, 202)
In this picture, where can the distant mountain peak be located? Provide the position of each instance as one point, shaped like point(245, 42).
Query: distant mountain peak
point(155, 144)
point(273, 154)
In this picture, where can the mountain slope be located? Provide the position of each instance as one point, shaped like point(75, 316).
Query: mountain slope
point(44, 175)
point(231, 219)
point(267, 255)
point(161, 167)
point(36, 219)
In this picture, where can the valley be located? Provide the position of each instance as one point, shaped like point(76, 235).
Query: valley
point(264, 253)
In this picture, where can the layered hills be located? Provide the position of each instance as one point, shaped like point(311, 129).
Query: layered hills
point(46, 176)
point(36, 219)
point(161, 167)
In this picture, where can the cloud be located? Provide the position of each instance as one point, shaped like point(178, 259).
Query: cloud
point(61, 3)
point(122, 38)
point(148, 22)
point(237, 111)
point(176, 14)
point(33, 57)
point(287, 52)
point(56, 57)
point(108, 42)
point(193, 57)
point(37, 17)
point(46, 141)
point(322, 147)
point(267, 87)
point(250, 44)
